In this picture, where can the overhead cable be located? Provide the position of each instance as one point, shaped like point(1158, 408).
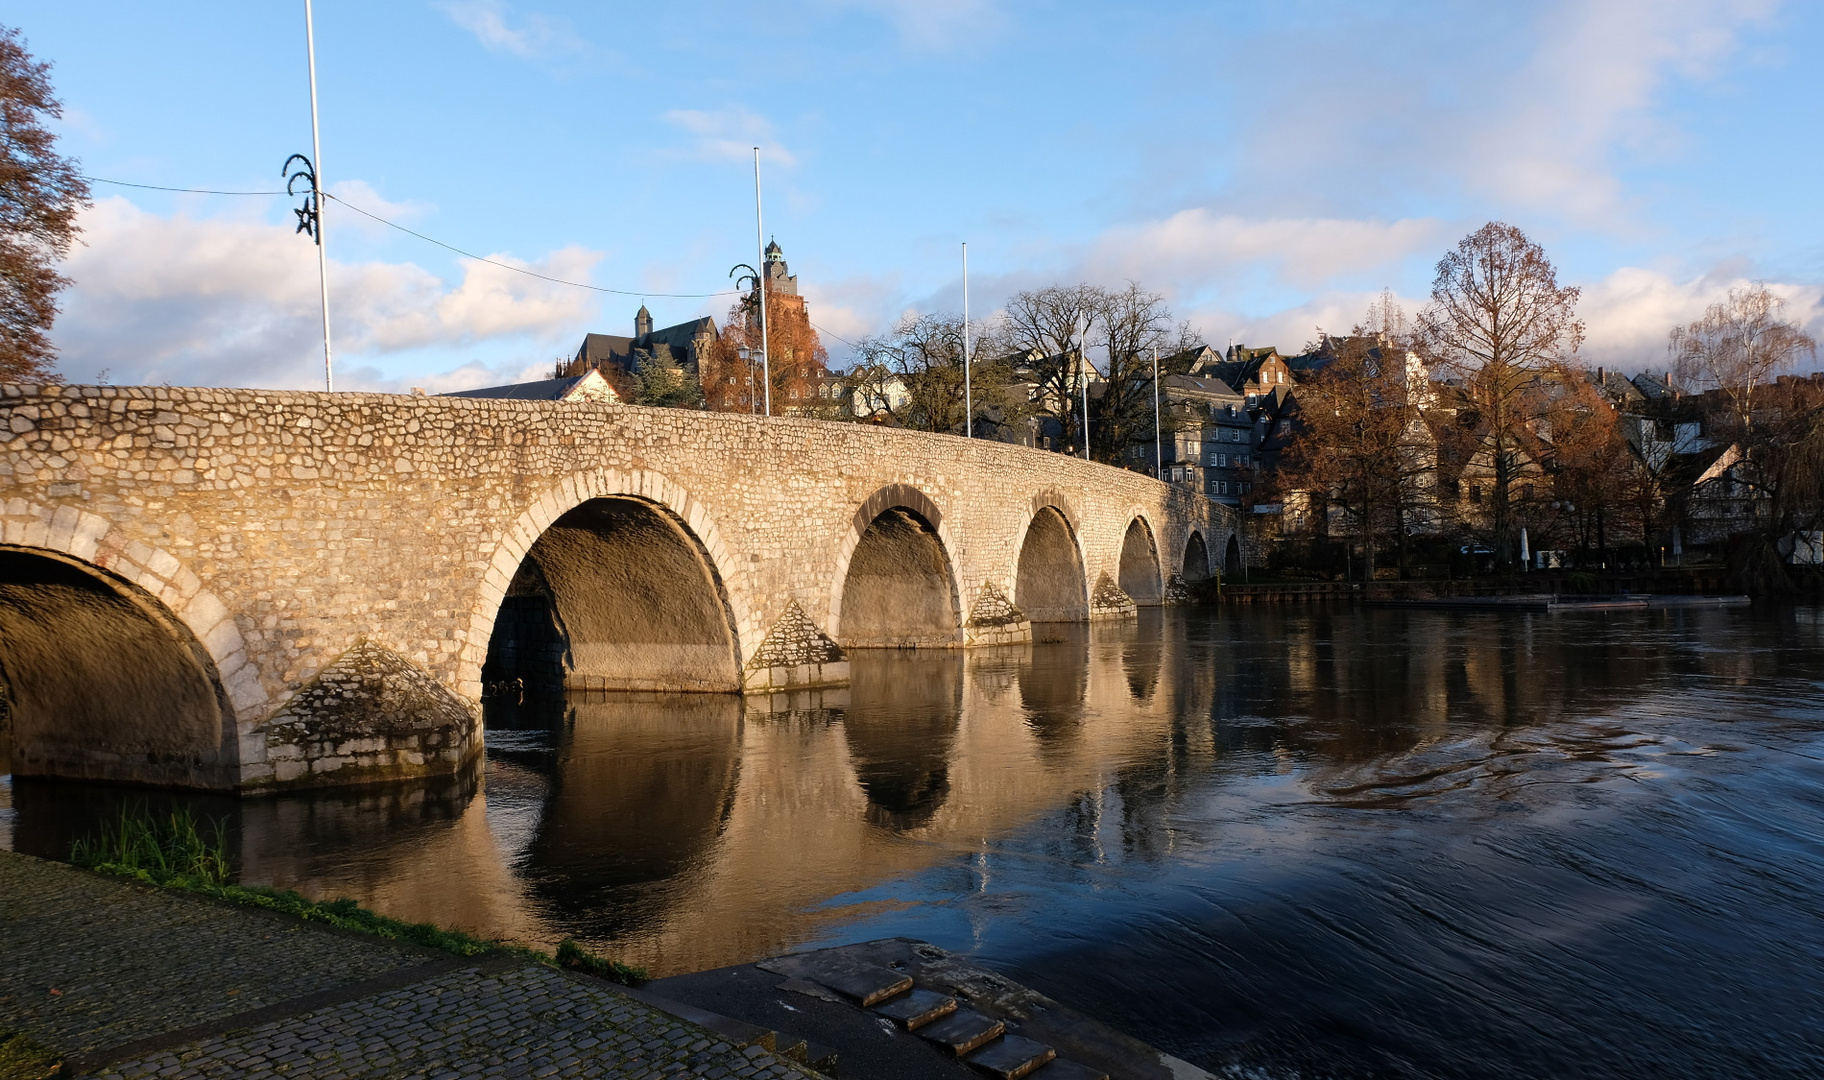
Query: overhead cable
point(428, 239)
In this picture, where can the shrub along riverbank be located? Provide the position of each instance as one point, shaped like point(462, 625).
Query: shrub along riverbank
point(175, 851)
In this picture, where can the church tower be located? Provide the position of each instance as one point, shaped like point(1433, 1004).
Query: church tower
point(642, 322)
point(779, 280)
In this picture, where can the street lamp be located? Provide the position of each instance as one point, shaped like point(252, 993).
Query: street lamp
point(752, 356)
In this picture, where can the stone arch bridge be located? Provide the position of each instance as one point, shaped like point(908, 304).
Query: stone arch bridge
point(247, 589)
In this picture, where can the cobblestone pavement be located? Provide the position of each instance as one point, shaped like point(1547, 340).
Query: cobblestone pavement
point(154, 983)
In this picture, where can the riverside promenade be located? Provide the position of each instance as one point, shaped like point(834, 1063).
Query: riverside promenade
point(123, 980)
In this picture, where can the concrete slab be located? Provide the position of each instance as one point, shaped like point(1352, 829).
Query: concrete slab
point(1012, 1057)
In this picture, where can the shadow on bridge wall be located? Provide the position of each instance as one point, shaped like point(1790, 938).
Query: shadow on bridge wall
point(900, 591)
point(99, 681)
point(1196, 558)
point(616, 595)
point(1139, 568)
point(1051, 586)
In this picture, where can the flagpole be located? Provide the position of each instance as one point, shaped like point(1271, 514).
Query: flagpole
point(968, 395)
point(316, 192)
point(1083, 356)
point(766, 360)
point(1158, 432)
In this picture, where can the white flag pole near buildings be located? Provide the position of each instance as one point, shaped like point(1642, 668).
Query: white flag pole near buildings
point(766, 359)
point(968, 397)
point(316, 192)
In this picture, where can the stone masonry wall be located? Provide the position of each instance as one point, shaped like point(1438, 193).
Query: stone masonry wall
point(286, 528)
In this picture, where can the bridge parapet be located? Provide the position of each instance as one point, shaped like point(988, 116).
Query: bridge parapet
point(288, 532)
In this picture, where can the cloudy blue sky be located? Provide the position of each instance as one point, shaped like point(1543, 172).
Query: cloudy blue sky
point(1266, 166)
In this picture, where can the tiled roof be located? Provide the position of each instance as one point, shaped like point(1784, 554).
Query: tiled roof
point(543, 390)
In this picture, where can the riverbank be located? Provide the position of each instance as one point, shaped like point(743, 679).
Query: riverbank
point(118, 979)
point(1678, 581)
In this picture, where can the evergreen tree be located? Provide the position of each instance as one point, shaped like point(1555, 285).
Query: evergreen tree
point(659, 380)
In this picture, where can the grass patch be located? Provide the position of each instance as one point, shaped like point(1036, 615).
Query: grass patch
point(23, 1059)
point(176, 851)
point(574, 957)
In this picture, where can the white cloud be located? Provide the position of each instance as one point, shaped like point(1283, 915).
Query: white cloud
point(468, 376)
point(1630, 312)
point(1194, 247)
point(1627, 314)
point(730, 135)
point(234, 302)
point(359, 193)
point(1528, 108)
point(853, 308)
point(491, 22)
point(1590, 91)
point(1290, 329)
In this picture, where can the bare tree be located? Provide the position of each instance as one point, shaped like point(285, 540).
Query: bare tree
point(915, 374)
point(1783, 463)
point(1134, 325)
point(1596, 477)
point(1498, 319)
point(40, 194)
point(1362, 449)
point(1052, 325)
point(1739, 346)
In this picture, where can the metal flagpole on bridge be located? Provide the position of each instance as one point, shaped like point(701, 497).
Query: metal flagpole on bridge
point(968, 396)
point(1083, 356)
point(766, 360)
point(1158, 433)
point(316, 192)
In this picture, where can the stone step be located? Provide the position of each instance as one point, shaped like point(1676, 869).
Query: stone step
point(1011, 1057)
point(1065, 1069)
point(790, 1047)
point(823, 1058)
point(869, 984)
point(962, 1031)
point(916, 1008)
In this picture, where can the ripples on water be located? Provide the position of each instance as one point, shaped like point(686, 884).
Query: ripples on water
point(1280, 843)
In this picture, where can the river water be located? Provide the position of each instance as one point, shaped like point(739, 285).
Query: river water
point(1283, 842)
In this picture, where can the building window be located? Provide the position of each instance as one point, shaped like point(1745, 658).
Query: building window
point(1475, 493)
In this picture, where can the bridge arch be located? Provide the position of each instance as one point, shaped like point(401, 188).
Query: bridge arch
point(92, 539)
point(626, 572)
point(1231, 557)
point(115, 662)
point(894, 582)
point(1051, 583)
point(1139, 571)
point(1196, 558)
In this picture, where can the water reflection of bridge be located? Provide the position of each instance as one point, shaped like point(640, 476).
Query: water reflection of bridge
point(687, 832)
